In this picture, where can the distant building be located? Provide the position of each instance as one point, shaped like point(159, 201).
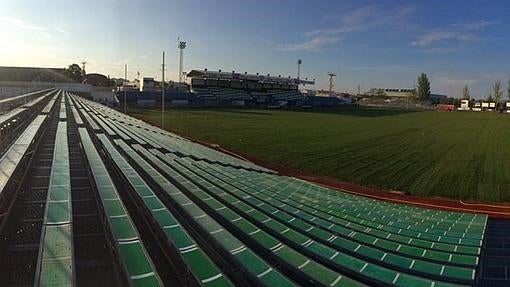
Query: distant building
point(97, 80)
point(324, 93)
point(436, 98)
point(405, 93)
point(129, 86)
point(464, 105)
point(119, 81)
point(477, 107)
point(483, 106)
point(147, 84)
point(507, 107)
point(309, 92)
point(399, 93)
point(176, 86)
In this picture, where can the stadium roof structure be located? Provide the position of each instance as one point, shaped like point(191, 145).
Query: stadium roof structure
point(247, 77)
point(91, 196)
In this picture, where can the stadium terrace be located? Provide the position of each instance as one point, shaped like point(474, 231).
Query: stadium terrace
point(89, 193)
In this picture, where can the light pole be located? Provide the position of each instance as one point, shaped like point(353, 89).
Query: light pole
point(124, 87)
point(163, 93)
point(181, 45)
point(299, 62)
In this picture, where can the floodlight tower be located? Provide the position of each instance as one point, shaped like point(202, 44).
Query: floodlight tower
point(181, 45)
point(331, 76)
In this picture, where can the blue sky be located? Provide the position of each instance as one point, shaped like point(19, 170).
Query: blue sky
point(367, 43)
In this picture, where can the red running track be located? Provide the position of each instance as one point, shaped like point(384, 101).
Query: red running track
point(501, 211)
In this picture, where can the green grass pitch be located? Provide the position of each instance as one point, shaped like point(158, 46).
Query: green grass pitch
point(461, 155)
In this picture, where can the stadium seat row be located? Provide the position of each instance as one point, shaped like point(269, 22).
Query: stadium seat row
point(307, 245)
point(13, 156)
point(56, 263)
point(199, 264)
point(266, 274)
point(355, 222)
point(312, 233)
point(139, 266)
point(322, 230)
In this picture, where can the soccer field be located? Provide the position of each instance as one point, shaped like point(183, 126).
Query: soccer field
point(461, 155)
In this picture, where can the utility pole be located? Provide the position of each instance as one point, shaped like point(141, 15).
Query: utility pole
point(299, 62)
point(124, 88)
point(163, 92)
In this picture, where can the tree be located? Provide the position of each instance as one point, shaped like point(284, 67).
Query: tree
point(423, 87)
point(74, 72)
point(465, 93)
point(497, 91)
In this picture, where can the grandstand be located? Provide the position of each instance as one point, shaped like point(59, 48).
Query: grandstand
point(220, 85)
point(91, 196)
point(221, 93)
point(221, 89)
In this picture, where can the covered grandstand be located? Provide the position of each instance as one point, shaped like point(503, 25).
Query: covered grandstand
point(222, 89)
point(91, 196)
point(220, 86)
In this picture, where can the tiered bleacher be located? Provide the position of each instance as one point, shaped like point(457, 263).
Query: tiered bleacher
point(282, 95)
point(12, 159)
point(178, 213)
point(306, 229)
point(16, 101)
point(134, 256)
point(19, 111)
point(234, 86)
point(222, 93)
point(56, 264)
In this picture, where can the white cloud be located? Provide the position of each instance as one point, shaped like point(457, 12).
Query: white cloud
point(383, 68)
point(406, 10)
point(475, 26)
point(359, 19)
point(433, 37)
point(62, 30)
point(453, 35)
point(359, 16)
point(21, 24)
point(314, 44)
point(440, 50)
